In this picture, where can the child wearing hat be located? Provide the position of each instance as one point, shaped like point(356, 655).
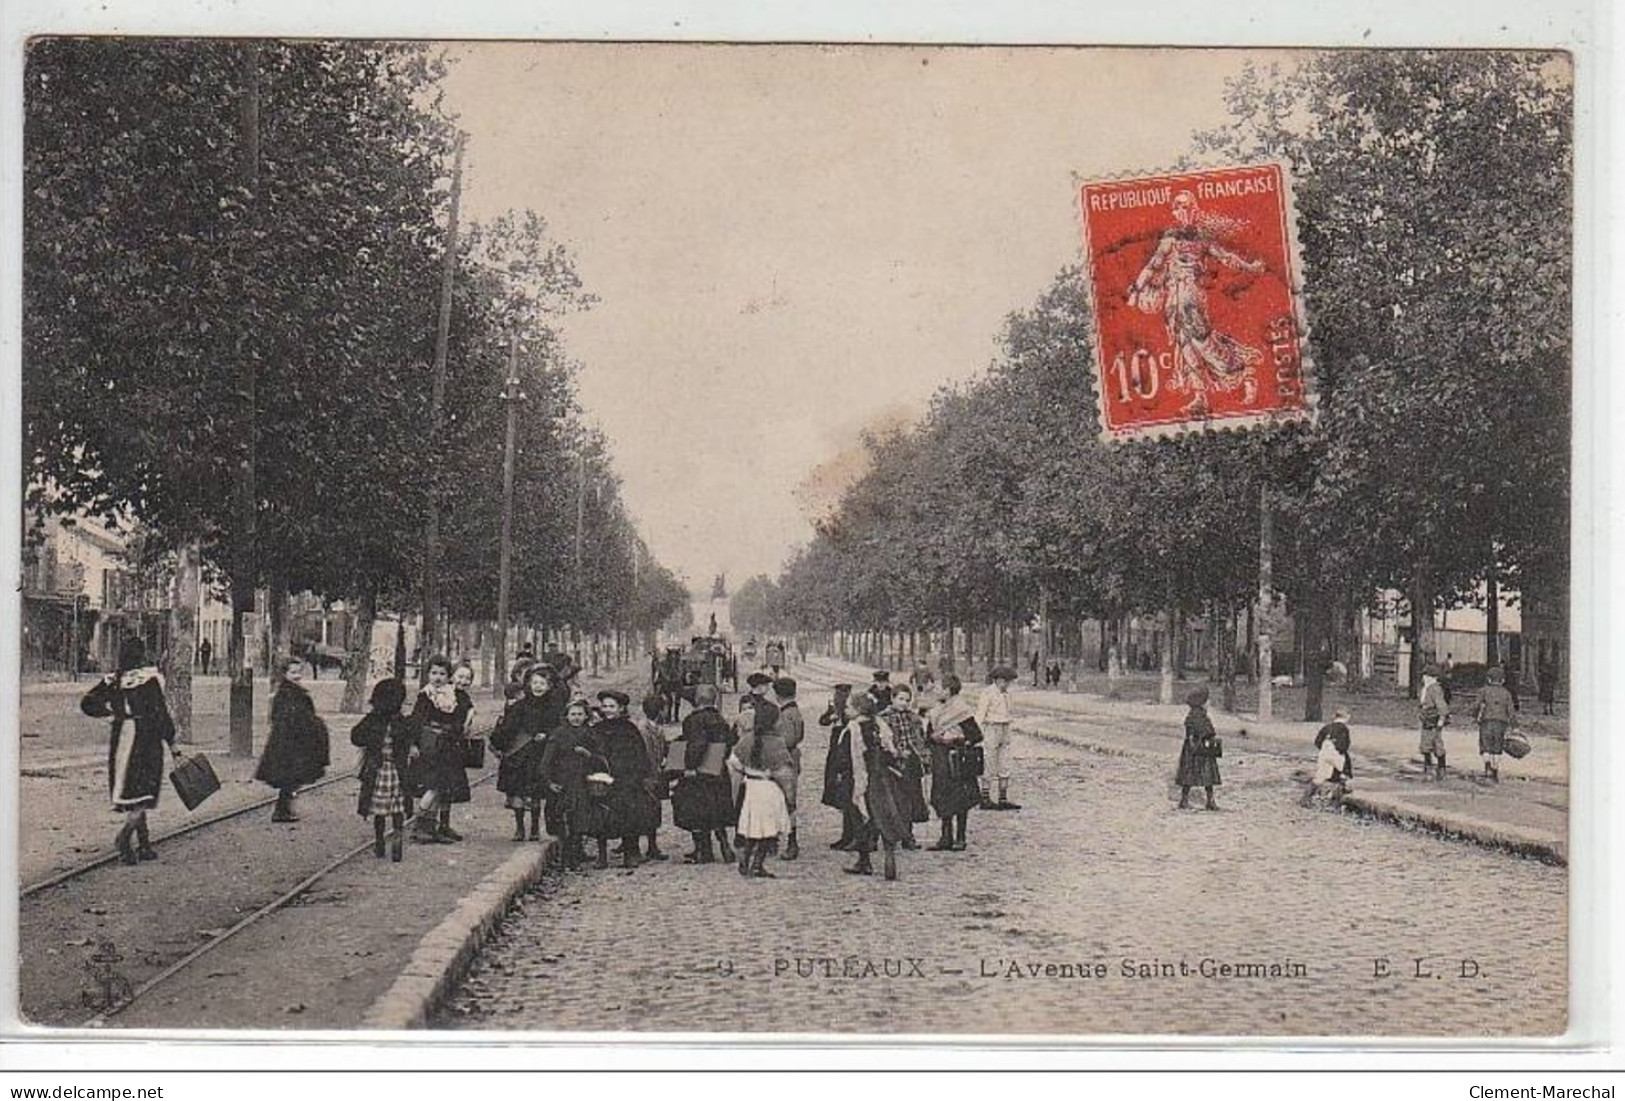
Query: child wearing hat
point(1494, 716)
point(1433, 710)
point(1199, 755)
point(993, 716)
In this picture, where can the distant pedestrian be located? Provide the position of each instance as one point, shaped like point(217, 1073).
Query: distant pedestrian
point(993, 716)
point(1032, 665)
point(875, 772)
point(1546, 685)
point(519, 739)
point(702, 797)
point(521, 665)
point(1334, 767)
point(297, 752)
point(1494, 715)
point(879, 689)
point(775, 657)
point(205, 651)
point(1199, 755)
point(1433, 711)
point(922, 680)
point(1052, 675)
point(838, 766)
point(440, 781)
point(956, 764)
point(133, 698)
point(654, 744)
point(389, 743)
point(908, 731)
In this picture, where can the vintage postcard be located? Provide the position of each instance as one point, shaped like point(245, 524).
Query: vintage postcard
point(848, 541)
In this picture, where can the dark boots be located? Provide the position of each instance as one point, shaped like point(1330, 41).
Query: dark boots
point(758, 855)
point(603, 855)
point(747, 849)
point(723, 849)
point(284, 807)
point(702, 853)
point(378, 828)
point(126, 854)
point(792, 848)
point(863, 867)
point(961, 821)
point(536, 825)
point(891, 862)
point(652, 852)
point(629, 853)
point(445, 832)
point(519, 825)
point(144, 849)
point(945, 843)
point(399, 838)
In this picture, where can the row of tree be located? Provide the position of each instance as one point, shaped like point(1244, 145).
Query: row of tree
point(1433, 194)
point(234, 257)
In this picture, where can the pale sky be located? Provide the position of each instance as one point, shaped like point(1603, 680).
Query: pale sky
point(790, 242)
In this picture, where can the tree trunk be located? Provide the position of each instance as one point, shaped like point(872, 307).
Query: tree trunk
point(1313, 661)
point(400, 649)
point(358, 666)
point(1165, 690)
point(1492, 613)
point(277, 611)
point(1421, 630)
point(1227, 658)
point(183, 612)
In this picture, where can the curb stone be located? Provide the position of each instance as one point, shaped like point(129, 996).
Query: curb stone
point(1544, 846)
point(445, 952)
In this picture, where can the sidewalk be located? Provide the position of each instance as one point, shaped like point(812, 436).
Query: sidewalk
point(1527, 812)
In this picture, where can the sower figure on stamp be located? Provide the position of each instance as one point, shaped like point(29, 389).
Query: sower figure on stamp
point(993, 716)
point(133, 698)
point(1433, 711)
point(1173, 284)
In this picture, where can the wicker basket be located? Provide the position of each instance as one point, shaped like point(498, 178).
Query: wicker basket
point(1516, 744)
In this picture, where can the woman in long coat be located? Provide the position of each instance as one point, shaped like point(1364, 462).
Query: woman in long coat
point(567, 760)
point(1198, 765)
point(633, 807)
point(654, 742)
point(133, 698)
point(297, 751)
point(876, 770)
point(519, 737)
point(951, 731)
point(389, 743)
point(838, 767)
point(442, 717)
point(702, 802)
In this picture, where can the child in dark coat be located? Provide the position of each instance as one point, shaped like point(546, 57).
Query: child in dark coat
point(389, 743)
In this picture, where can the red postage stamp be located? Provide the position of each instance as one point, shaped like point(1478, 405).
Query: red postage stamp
point(1195, 281)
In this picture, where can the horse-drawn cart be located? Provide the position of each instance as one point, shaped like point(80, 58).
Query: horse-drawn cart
point(679, 670)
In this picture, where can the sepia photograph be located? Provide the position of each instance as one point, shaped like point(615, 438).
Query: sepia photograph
point(839, 540)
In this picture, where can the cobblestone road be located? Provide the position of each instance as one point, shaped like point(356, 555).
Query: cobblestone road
point(1099, 875)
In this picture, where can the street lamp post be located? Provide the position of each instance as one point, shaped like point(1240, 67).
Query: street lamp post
point(512, 395)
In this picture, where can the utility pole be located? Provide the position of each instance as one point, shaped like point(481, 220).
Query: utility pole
point(512, 395)
point(244, 550)
point(1266, 548)
point(437, 401)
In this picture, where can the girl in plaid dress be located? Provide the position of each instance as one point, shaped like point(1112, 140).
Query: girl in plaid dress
point(388, 741)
